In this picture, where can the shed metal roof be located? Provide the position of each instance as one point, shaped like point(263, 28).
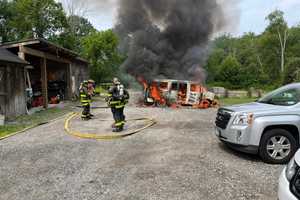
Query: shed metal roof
point(44, 45)
point(7, 56)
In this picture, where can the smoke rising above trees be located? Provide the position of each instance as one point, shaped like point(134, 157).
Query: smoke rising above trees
point(168, 38)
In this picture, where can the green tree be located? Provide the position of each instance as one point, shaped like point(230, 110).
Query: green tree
point(38, 18)
point(261, 59)
point(225, 42)
point(221, 47)
point(292, 72)
point(272, 46)
point(293, 48)
point(244, 50)
point(276, 22)
point(248, 56)
point(77, 28)
point(100, 48)
point(230, 72)
point(278, 29)
point(213, 64)
point(80, 26)
point(6, 14)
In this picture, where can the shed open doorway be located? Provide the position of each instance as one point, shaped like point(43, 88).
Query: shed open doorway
point(47, 81)
point(52, 73)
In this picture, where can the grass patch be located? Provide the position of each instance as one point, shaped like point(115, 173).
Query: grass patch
point(9, 129)
point(100, 90)
point(25, 121)
point(103, 88)
point(233, 101)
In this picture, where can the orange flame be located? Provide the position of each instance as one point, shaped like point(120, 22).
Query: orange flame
point(143, 82)
point(155, 91)
point(156, 94)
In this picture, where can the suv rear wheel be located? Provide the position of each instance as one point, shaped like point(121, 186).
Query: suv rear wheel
point(277, 146)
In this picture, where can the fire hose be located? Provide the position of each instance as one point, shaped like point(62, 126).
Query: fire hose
point(95, 107)
point(95, 136)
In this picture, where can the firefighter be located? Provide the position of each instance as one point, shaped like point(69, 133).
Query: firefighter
point(85, 99)
point(117, 99)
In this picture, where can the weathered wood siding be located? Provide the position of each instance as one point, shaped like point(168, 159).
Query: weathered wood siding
point(12, 86)
point(15, 99)
point(2, 88)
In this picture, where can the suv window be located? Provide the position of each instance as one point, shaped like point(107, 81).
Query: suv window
point(286, 97)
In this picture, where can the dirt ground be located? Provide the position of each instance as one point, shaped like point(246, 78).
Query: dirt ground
point(178, 158)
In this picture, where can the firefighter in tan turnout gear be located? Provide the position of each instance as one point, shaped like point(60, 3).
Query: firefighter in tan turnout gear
point(86, 92)
point(117, 99)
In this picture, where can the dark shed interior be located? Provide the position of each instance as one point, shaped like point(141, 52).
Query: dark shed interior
point(51, 74)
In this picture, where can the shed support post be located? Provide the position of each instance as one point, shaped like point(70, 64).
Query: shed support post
point(21, 54)
point(44, 81)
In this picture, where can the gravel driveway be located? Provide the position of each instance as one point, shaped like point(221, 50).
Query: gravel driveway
point(179, 158)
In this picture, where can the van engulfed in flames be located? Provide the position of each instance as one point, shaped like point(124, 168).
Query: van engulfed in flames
point(176, 93)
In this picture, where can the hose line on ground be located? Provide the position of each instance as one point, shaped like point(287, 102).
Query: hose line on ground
point(150, 122)
point(95, 107)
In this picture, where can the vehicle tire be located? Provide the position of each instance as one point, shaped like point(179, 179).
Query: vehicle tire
point(277, 146)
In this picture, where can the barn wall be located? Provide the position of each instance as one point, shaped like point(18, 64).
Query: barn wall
point(80, 72)
point(2, 87)
point(15, 88)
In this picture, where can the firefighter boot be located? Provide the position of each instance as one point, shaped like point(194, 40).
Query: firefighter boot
point(90, 115)
point(85, 118)
point(118, 129)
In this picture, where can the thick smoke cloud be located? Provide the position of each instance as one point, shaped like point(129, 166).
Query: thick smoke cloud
point(168, 38)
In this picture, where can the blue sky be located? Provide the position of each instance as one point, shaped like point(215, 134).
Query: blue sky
point(252, 14)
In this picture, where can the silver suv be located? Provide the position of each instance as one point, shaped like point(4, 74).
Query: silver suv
point(268, 127)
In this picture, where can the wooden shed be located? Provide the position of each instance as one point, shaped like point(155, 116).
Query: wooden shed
point(51, 71)
point(12, 88)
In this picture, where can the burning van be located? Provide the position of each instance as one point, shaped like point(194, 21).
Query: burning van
point(175, 93)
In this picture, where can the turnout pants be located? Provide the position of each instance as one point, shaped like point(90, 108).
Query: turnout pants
point(118, 115)
point(86, 113)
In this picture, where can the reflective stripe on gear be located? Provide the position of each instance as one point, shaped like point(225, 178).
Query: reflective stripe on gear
point(120, 106)
point(86, 101)
point(114, 102)
point(85, 98)
point(120, 124)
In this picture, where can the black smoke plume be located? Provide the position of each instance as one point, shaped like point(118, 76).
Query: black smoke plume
point(168, 38)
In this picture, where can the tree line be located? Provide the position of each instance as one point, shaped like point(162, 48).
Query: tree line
point(271, 58)
point(266, 60)
point(27, 19)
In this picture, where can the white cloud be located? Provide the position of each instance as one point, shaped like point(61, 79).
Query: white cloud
point(90, 7)
point(287, 4)
point(102, 13)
